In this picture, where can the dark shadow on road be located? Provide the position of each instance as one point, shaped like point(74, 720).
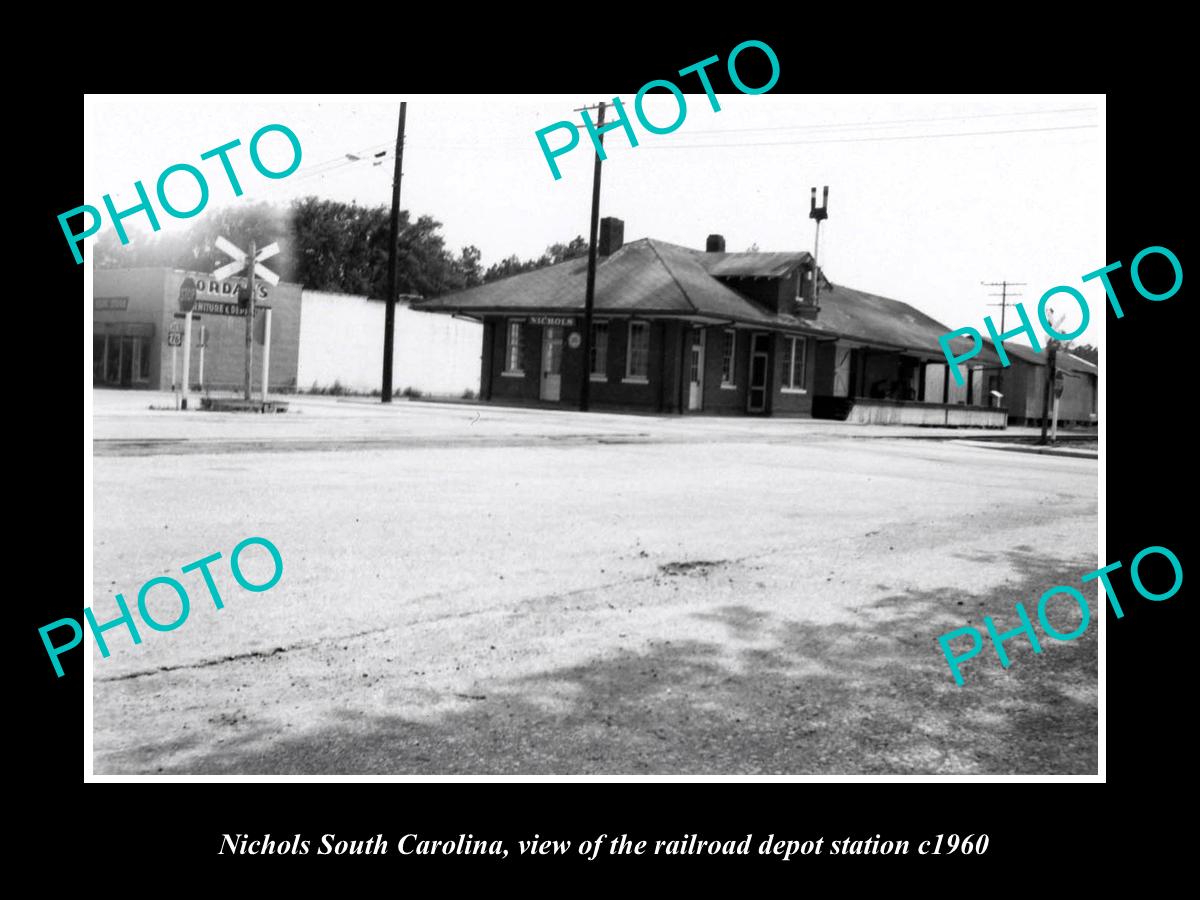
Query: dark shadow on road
point(869, 696)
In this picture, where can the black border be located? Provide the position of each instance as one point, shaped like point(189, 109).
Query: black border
point(1147, 400)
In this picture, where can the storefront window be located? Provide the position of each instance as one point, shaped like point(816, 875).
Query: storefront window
point(112, 364)
point(142, 370)
point(98, 345)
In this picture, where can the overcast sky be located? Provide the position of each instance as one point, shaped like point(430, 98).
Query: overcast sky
point(929, 196)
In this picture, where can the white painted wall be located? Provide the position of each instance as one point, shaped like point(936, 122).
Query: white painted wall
point(341, 339)
point(935, 374)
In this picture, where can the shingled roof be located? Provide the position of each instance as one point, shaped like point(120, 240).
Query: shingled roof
point(883, 322)
point(1065, 360)
point(647, 277)
point(653, 277)
point(752, 263)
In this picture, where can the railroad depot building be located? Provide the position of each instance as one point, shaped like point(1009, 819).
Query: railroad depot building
point(682, 330)
point(320, 341)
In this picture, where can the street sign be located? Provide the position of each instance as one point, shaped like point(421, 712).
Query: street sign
point(216, 308)
point(174, 338)
point(241, 261)
point(187, 294)
point(251, 264)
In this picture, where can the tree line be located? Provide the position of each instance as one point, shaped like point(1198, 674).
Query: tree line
point(327, 245)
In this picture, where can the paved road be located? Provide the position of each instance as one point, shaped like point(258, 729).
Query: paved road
point(574, 594)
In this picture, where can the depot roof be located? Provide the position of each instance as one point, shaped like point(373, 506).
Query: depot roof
point(653, 277)
point(646, 277)
point(1066, 360)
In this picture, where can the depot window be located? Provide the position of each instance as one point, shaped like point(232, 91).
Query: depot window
point(637, 358)
point(599, 362)
point(728, 358)
point(512, 348)
point(795, 351)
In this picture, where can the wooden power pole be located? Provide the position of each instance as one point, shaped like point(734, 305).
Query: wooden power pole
point(1004, 294)
point(1051, 375)
point(589, 297)
point(389, 316)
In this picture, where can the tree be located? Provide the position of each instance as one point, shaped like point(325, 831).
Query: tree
point(195, 249)
point(1086, 351)
point(326, 245)
point(554, 254)
point(470, 266)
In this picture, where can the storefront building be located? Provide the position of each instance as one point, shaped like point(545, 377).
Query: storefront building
point(320, 341)
point(135, 311)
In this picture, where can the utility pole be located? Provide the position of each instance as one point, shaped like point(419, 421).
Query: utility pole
point(250, 315)
point(819, 213)
point(589, 299)
point(1003, 295)
point(389, 316)
point(1051, 374)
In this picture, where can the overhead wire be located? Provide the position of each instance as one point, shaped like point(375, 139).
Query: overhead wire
point(856, 140)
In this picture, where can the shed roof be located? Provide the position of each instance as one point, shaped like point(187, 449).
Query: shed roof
point(1066, 359)
point(752, 263)
point(881, 321)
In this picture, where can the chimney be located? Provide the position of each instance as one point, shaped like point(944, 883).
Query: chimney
point(612, 236)
point(805, 306)
point(716, 244)
point(808, 274)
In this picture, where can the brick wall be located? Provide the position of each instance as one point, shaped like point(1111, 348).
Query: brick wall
point(718, 399)
point(659, 392)
point(789, 403)
point(224, 357)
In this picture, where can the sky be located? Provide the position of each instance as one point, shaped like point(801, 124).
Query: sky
point(928, 195)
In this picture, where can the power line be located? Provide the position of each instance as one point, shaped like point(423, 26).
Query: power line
point(883, 122)
point(898, 137)
point(809, 127)
point(1004, 294)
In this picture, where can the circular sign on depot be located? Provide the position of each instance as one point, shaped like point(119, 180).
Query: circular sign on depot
point(187, 294)
point(574, 340)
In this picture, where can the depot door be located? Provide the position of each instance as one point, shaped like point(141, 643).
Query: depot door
point(696, 371)
point(756, 399)
point(551, 362)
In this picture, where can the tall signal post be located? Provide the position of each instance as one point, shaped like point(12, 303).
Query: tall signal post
point(820, 213)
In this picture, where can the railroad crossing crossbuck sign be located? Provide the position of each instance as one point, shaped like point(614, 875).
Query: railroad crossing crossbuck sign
point(240, 261)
